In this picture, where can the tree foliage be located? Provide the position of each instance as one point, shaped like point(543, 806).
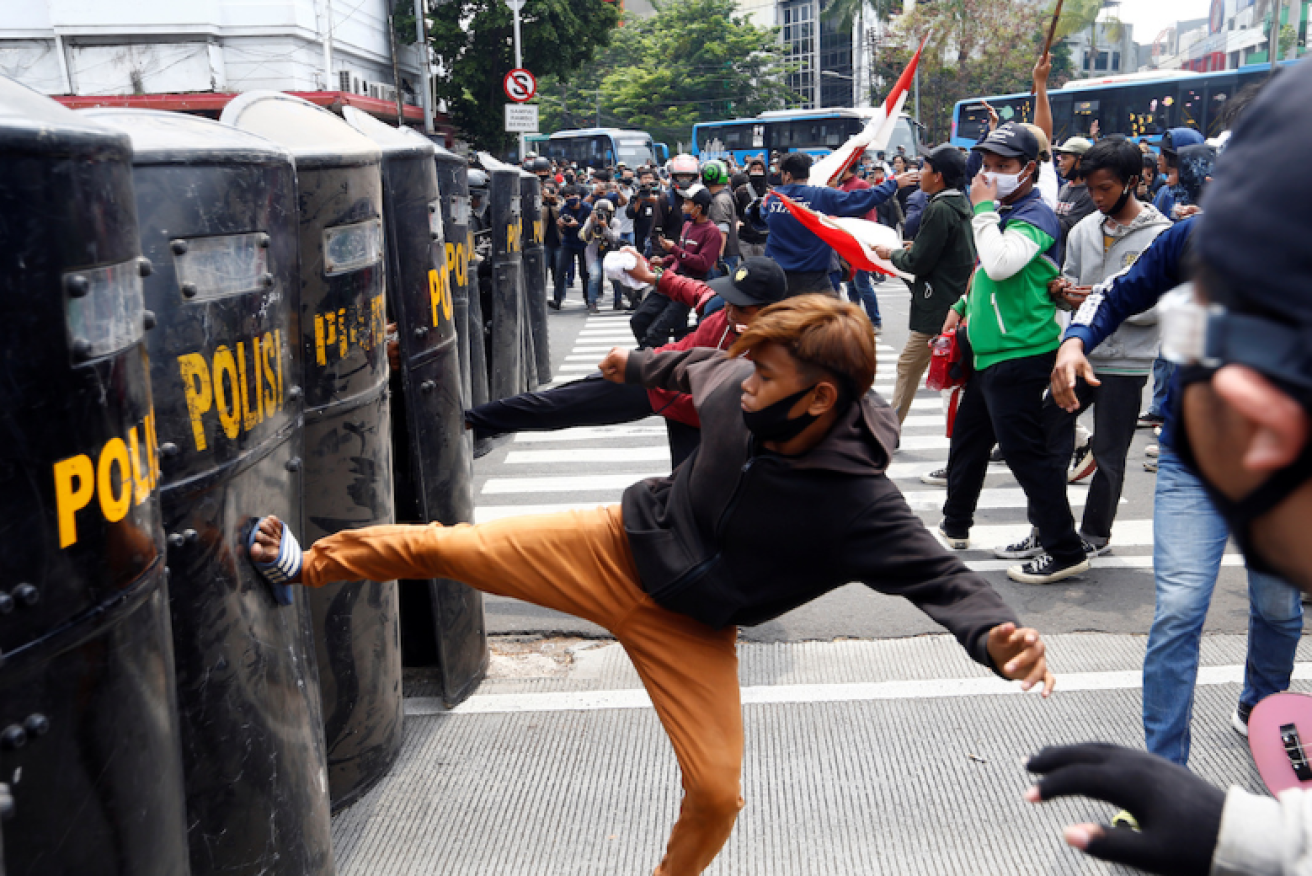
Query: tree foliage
point(474, 44)
point(976, 48)
point(695, 60)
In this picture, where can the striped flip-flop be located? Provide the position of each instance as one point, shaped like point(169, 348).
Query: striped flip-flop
point(280, 572)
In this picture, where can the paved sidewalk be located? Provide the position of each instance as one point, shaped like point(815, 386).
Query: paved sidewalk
point(893, 756)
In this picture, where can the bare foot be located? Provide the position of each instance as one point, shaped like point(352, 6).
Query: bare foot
point(268, 540)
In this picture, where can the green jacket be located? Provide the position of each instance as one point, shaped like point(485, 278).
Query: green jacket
point(942, 259)
point(1008, 311)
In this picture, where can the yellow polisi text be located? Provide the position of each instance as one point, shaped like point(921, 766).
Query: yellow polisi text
point(337, 332)
point(439, 294)
point(241, 386)
point(122, 473)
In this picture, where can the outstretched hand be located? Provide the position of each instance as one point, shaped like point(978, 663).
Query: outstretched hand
point(268, 539)
point(1071, 365)
point(1179, 814)
point(612, 367)
point(1020, 655)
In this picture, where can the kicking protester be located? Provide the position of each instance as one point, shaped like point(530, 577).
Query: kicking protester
point(786, 500)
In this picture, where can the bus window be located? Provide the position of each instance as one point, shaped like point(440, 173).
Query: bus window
point(1219, 90)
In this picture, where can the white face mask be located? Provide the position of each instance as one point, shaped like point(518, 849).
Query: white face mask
point(1007, 182)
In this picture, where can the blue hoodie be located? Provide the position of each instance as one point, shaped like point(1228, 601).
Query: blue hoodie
point(1157, 271)
point(1180, 138)
point(792, 244)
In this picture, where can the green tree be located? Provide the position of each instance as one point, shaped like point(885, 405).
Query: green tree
point(474, 44)
point(976, 47)
point(694, 60)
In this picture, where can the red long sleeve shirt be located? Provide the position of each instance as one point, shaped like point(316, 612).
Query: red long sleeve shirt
point(714, 331)
point(698, 249)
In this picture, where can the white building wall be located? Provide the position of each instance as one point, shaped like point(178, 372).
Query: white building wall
point(96, 47)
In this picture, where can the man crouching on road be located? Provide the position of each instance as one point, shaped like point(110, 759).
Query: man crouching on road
point(785, 500)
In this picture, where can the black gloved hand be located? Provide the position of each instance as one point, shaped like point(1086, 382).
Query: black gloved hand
point(1179, 814)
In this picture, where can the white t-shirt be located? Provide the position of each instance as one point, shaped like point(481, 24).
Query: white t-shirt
point(623, 224)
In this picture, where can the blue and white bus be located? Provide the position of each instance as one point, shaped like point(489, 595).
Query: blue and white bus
point(600, 147)
point(1141, 106)
point(816, 132)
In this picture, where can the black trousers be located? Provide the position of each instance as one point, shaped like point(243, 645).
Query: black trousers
point(566, 256)
point(657, 320)
point(1004, 404)
point(1115, 415)
point(592, 401)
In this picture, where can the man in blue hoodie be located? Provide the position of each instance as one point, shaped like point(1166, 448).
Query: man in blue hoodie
point(1189, 534)
point(803, 256)
point(1168, 163)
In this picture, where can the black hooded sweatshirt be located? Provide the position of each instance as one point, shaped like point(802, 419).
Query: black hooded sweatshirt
point(739, 534)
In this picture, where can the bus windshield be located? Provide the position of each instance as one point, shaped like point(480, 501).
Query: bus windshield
point(636, 151)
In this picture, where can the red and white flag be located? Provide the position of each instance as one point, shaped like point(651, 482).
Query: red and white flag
point(875, 135)
point(852, 238)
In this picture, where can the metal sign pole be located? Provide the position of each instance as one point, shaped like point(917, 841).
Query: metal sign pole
point(515, 6)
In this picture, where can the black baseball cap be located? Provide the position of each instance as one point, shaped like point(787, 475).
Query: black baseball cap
point(1010, 141)
point(757, 281)
point(947, 160)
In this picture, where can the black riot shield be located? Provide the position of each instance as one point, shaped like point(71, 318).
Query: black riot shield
point(217, 212)
point(506, 366)
point(535, 278)
point(348, 444)
point(89, 743)
point(453, 183)
point(441, 620)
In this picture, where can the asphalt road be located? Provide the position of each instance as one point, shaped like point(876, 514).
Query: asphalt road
point(543, 472)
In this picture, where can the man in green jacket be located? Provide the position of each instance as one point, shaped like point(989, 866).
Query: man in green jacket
point(942, 259)
point(1010, 319)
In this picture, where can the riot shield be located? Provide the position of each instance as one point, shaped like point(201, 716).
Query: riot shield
point(89, 739)
point(535, 278)
point(454, 186)
point(217, 214)
point(441, 619)
point(348, 458)
point(506, 366)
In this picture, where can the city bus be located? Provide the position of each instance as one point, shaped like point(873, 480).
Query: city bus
point(816, 132)
point(1141, 106)
point(600, 147)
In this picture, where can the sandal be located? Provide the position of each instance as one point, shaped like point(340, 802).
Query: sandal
point(278, 573)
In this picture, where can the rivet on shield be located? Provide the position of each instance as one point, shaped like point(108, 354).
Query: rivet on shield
point(36, 725)
point(27, 595)
point(81, 349)
point(6, 603)
point(148, 319)
point(263, 241)
point(428, 386)
point(13, 737)
point(176, 540)
point(77, 285)
point(420, 332)
point(168, 448)
point(267, 280)
point(179, 247)
point(293, 464)
point(294, 393)
point(144, 267)
point(188, 290)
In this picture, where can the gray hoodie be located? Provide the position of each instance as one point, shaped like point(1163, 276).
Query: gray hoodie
point(1132, 348)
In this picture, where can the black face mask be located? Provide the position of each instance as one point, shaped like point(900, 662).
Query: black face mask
point(772, 423)
point(1125, 196)
point(1238, 514)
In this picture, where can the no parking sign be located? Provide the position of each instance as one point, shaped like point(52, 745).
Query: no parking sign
point(520, 85)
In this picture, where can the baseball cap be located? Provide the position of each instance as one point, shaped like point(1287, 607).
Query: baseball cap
point(1010, 140)
point(1074, 146)
point(947, 160)
point(699, 195)
point(757, 281)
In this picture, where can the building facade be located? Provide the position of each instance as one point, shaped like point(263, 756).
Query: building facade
point(91, 48)
point(831, 69)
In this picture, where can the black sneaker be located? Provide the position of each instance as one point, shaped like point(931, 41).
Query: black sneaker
point(1045, 570)
point(996, 455)
point(1082, 463)
point(954, 541)
point(1148, 420)
point(1022, 550)
point(938, 478)
point(1092, 550)
point(1239, 720)
point(554, 305)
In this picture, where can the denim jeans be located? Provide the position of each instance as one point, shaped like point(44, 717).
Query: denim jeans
point(1162, 373)
point(862, 291)
point(567, 259)
point(1189, 537)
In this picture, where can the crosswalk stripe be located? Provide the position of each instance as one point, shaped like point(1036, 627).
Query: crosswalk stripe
point(1142, 562)
point(649, 428)
point(653, 453)
point(1125, 533)
point(989, 498)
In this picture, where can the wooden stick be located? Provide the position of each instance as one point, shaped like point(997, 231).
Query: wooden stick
point(1052, 29)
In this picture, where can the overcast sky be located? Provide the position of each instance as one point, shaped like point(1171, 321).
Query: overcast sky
point(1150, 17)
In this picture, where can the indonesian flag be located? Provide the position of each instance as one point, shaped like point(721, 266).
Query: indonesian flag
point(875, 134)
point(852, 238)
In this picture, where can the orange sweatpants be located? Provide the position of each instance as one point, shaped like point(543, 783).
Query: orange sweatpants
point(579, 562)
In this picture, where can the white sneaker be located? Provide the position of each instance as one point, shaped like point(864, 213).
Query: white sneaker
point(1082, 463)
point(937, 478)
point(1150, 450)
